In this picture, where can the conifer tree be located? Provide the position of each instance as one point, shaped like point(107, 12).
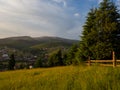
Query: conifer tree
point(56, 59)
point(11, 62)
point(38, 63)
point(71, 55)
point(100, 32)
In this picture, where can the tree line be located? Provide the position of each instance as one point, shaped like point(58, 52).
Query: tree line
point(101, 32)
point(58, 58)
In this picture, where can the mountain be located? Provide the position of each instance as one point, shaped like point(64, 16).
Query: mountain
point(18, 42)
point(24, 42)
point(19, 38)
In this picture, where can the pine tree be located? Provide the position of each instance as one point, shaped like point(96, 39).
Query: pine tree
point(56, 59)
point(11, 62)
point(72, 54)
point(40, 61)
point(89, 37)
point(100, 32)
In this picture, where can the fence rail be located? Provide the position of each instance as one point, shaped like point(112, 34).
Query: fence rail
point(112, 62)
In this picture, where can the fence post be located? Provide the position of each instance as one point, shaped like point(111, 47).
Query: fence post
point(89, 62)
point(114, 60)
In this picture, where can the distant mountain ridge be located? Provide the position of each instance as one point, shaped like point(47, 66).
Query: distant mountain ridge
point(22, 42)
point(19, 38)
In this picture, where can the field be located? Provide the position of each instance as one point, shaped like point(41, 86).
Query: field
point(62, 78)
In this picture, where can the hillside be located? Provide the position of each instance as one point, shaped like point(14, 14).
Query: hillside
point(24, 42)
point(62, 78)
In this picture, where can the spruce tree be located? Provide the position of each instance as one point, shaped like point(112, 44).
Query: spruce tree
point(38, 63)
point(11, 62)
point(89, 37)
point(72, 54)
point(55, 59)
point(100, 32)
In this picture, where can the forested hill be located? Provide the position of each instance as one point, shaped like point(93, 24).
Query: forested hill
point(39, 42)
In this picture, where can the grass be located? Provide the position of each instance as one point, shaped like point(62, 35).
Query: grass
point(62, 78)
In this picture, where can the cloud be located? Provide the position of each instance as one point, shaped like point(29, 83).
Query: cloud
point(37, 18)
point(64, 2)
point(77, 15)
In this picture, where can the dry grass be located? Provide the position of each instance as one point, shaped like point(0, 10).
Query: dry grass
point(62, 78)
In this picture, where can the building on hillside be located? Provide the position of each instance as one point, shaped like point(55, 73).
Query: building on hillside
point(5, 56)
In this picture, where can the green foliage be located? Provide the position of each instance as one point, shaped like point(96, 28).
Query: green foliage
point(71, 55)
point(38, 63)
point(41, 61)
point(52, 44)
point(55, 59)
point(100, 32)
point(64, 56)
point(11, 62)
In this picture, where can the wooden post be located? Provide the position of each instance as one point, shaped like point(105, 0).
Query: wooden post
point(89, 62)
point(114, 60)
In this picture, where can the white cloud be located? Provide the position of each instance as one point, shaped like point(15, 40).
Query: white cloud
point(77, 15)
point(61, 1)
point(36, 18)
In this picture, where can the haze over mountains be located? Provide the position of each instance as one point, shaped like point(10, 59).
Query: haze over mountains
point(23, 42)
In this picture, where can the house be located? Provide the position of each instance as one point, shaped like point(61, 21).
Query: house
point(5, 56)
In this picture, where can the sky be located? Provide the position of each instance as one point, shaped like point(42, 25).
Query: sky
point(36, 18)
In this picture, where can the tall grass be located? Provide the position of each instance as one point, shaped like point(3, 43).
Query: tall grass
point(62, 78)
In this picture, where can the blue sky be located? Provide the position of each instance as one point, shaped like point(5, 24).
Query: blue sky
point(36, 18)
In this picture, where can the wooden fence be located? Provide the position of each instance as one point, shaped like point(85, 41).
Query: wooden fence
point(112, 62)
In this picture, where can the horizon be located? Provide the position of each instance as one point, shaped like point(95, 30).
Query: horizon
point(39, 37)
point(38, 18)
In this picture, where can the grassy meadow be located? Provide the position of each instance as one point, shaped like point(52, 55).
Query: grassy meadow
point(62, 78)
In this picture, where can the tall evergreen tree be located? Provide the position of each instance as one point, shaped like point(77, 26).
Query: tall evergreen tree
point(38, 63)
point(89, 37)
point(72, 54)
point(41, 61)
point(11, 62)
point(56, 59)
point(100, 32)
